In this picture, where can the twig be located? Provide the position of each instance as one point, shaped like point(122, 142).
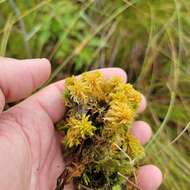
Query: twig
point(182, 132)
point(129, 181)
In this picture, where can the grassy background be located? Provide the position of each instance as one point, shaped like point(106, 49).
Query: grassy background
point(150, 39)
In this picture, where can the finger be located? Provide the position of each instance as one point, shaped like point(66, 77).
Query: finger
point(142, 131)
point(110, 72)
point(50, 99)
point(143, 104)
point(18, 78)
point(149, 177)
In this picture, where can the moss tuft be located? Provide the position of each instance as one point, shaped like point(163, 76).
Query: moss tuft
point(98, 146)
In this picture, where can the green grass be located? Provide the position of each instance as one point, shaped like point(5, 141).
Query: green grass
point(147, 38)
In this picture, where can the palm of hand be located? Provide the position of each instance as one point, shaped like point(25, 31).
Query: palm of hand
point(31, 155)
point(32, 146)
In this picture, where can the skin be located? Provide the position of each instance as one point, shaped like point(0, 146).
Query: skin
point(30, 154)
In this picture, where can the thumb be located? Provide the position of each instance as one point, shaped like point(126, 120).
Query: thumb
point(19, 78)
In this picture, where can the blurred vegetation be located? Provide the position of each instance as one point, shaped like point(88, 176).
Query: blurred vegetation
point(150, 39)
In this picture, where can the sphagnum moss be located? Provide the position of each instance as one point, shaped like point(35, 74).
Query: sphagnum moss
point(98, 146)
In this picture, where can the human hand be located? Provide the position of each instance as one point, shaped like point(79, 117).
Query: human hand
point(30, 154)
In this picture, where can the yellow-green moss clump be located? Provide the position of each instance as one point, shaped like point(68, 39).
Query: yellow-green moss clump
point(99, 149)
